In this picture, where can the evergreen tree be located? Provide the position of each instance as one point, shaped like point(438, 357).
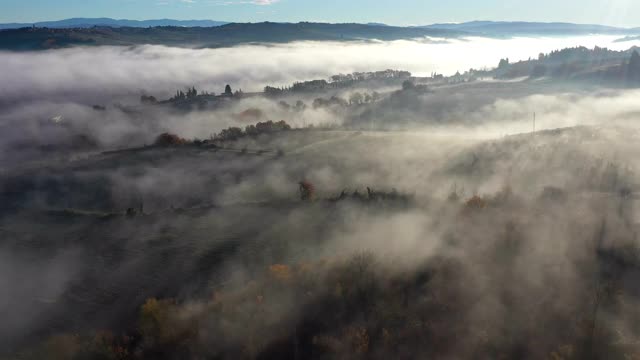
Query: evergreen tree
point(503, 63)
point(634, 62)
point(634, 66)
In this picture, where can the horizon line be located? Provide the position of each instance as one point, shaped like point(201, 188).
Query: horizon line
point(318, 22)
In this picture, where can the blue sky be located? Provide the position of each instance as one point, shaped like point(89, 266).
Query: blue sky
point(396, 12)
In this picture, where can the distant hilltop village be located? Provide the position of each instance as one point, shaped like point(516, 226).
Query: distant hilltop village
point(194, 97)
point(617, 68)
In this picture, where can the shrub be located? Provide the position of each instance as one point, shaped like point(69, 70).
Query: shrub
point(475, 203)
point(307, 191)
point(62, 346)
point(168, 139)
point(160, 325)
point(148, 99)
point(280, 272)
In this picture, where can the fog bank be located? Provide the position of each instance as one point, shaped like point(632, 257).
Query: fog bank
point(89, 74)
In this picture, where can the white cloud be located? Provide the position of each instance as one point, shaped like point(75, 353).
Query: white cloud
point(238, 2)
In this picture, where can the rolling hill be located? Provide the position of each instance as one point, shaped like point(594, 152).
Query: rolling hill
point(508, 28)
point(225, 35)
point(91, 22)
point(211, 34)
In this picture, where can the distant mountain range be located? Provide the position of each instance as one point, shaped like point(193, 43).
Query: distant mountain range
point(205, 33)
point(91, 22)
point(376, 24)
point(530, 28)
point(210, 37)
point(476, 27)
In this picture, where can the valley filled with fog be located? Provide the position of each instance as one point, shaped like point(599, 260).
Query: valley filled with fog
point(299, 200)
point(83, 74)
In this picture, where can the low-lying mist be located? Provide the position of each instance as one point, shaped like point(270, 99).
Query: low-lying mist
point(90, 74)
point(498, 235)
point(430, 220)
point(63, 84)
